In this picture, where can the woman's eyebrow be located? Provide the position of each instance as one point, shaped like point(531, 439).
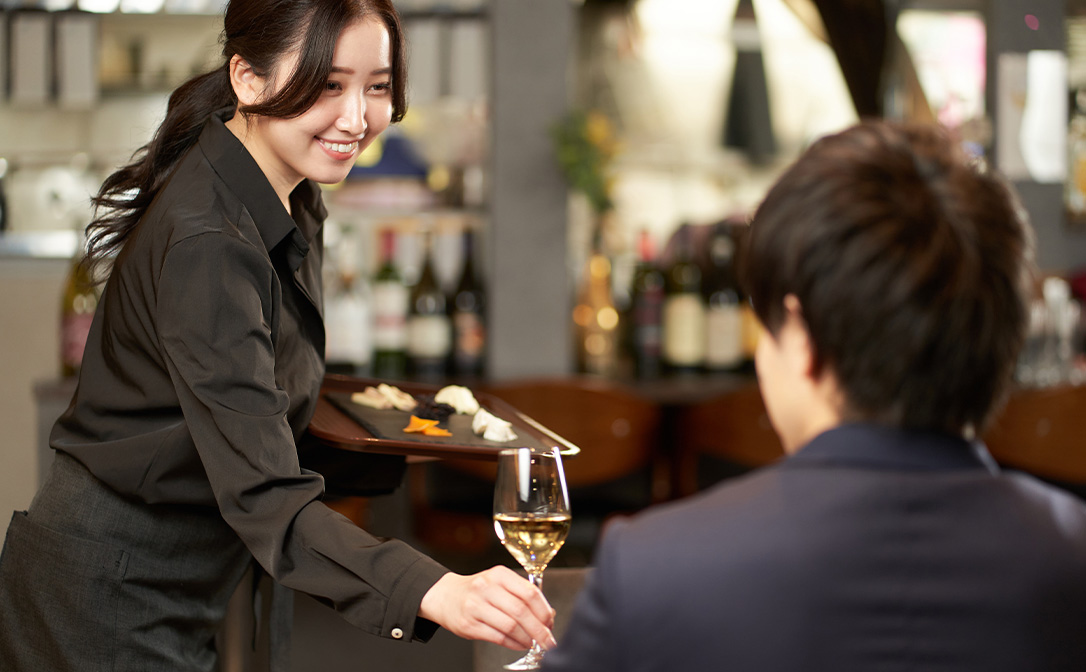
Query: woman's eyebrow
point(350, 71)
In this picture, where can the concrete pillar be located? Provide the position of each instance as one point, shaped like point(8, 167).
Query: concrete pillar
point(529, 297)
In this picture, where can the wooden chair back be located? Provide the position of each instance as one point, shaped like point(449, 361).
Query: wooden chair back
point(733, 427)
point(1041, 431)
point(616, 430)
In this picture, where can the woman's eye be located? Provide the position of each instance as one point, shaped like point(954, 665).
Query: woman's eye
point(332, 86)
point(382, 87)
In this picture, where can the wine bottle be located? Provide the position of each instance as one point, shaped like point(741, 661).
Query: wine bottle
point(723, 321)
point(348, 347)
point(684, 310)
point(390, 299)
point(429, 332)
point(78, 303)
point(647, 310)
point(595, 317)
point(751, 327)
point(1075, 184)
point(468, 313)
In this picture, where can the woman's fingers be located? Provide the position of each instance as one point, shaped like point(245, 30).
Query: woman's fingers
point(495, 605)
point(489, 623)
point(524, 602)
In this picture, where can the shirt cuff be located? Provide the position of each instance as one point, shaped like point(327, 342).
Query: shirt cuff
point(402, 619)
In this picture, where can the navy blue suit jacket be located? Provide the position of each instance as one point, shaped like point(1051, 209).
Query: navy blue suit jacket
point(870, 549)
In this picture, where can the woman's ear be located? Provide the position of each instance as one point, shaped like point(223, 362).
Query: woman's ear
point(248, 86)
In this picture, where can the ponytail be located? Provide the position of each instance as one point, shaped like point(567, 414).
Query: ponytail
point(126, 194)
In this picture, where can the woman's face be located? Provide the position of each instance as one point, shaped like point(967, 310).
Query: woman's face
point(322, 143)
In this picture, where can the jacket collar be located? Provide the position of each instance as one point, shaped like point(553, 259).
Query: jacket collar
point(239, 171)
point(877, 446)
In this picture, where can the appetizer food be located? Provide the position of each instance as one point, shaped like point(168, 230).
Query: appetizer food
point(427, 426)
point(428, 411)
point(384, 397)
point(401, 400)
point(491, 427)
point(458, 397)
point(429, 407)
point(417, 424)
point(372, 398)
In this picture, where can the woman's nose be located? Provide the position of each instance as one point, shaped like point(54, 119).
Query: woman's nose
point(352, 118)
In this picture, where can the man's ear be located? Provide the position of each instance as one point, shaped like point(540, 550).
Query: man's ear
point(801, 353)
point(248, 86)
point(803, 357)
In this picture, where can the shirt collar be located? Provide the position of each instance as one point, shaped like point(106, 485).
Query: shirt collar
point(875, 446)
point(241, 174)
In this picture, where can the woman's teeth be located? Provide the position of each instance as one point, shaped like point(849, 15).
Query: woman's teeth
point(345, 148)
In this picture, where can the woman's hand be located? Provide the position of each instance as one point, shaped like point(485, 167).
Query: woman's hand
point(496, 605)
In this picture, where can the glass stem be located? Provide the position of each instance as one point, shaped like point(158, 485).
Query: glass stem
point(535, 654)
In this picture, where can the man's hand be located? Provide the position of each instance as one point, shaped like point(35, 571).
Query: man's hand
point(496, 605)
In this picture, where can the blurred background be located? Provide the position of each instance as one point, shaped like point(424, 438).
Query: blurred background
point(568, 193)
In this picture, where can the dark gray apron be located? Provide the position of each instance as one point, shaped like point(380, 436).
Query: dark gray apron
point(93, 581)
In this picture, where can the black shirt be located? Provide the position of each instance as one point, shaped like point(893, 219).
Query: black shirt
point(202, 371)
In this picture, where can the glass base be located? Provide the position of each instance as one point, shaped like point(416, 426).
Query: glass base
point(531, 660)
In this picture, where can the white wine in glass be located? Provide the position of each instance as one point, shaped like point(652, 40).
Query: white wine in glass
point(531, 517)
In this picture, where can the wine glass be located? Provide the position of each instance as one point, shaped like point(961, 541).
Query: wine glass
point(531, 517)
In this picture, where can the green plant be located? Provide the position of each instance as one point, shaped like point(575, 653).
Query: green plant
point(585, 144)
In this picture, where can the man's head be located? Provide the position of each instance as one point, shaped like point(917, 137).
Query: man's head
point(909, 270)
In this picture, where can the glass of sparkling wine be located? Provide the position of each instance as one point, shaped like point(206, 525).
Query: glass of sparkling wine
point(531, 517)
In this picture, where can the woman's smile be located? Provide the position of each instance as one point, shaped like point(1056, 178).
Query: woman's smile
point(341, 151)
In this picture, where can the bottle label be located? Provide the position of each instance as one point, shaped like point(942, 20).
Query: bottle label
point(684, 330)
point(470, 336)
point(389, 316)
point(74, 330)
point(346, 319)
point(724, 342)
point(428, 336)
point(647, 339)
point(1076, 184)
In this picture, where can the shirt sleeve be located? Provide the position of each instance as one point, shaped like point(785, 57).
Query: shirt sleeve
point(216, 303)
point(587, 645)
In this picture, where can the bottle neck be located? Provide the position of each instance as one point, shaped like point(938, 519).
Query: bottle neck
point(468, 271)
point(645, 250)
point(426, 277)
point(684, 245)
point(597, 237)
point(388, 246)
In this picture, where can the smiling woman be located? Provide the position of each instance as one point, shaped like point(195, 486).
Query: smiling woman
point(321, 143)
point(177, 464)
point(292, 58)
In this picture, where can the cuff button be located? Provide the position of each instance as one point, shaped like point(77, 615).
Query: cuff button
point(397, 633)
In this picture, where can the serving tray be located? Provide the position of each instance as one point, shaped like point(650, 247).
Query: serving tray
point(343, 424)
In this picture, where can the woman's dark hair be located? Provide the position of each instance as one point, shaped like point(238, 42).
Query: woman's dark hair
point(912, 267)
point(261, 32)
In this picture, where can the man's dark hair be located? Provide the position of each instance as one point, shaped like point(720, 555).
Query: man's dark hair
point(912, 266)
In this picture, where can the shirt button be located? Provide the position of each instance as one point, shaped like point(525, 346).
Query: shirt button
point(397, 633)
